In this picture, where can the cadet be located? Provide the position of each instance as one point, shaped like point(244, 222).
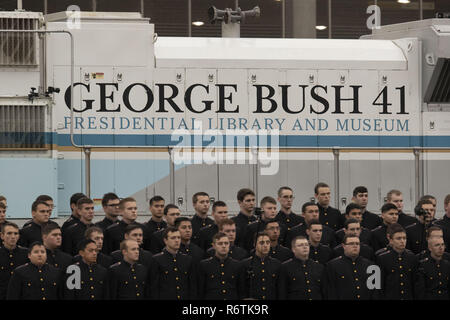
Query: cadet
point(36, 280)
point(353, 211)
point(285, 215)
point(389, 214)
point(317, 252)
point(75, 217)
point(173, 276)
point(11, 255)
point(433, 232)
point(444, 223)
point(417, 231)
point(135, 232)
point(32, 232)
point(128, 279)
point(228, 226)
point(200, 201)
point(300, 277)
point(369, 220)
point(353, 226)
point(184, 225)
point(246, 200)
point(156, 222)
point(398, 266)
point(171, 212)
point(396, 197)
point(328, 215)
point(94, 277)
point(432, 281)
point(277, 251)
point(96, 234)
point(219, 213)
point(51, 236)
point(49, 201)
point(259, 273)
point(110, 204)
point(347, 274)
point(218, 275)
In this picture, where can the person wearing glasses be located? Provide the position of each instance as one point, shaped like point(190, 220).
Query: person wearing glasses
point(110, 204)
point(285, 215)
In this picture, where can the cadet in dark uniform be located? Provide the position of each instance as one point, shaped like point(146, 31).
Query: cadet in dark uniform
point(417, 232)
point(201, 203)
point(347, 274)
point(389, 214)
point(432, 281)
point(11, 255)
point(433, 232)
point(228, 227)
point(135, 232)
point(184, 225)
point(32, 232)
point(75, 217)
point(444, 223)
point(317, 252)
point(219, 213)
point(353, 211)
point(396, 197)
point(36, 280)
point(369, 220)
point(310, 212)
point(277, 251)
point(173, 275)
point(110, 204)
point(218, 275)
point(94, 278)
point(51, 236)
point(156, 222)
point(300, 277)
point(128, 279)
point(353, 226)
point(398, 267)
point(246, 201)
point(171, 212)
point(285, 216)
point(96, 234)
point(75, 233)
point(259, 273)
point(328, 215)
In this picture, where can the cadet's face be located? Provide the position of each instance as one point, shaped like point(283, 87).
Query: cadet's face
point(429, 209)
point(436, 246)
point(315, 233)
point(112, 208)
point(247, 205)
point(172, 215)
point(352, 247)
point(157, 208)
point(51, 205)
point(38, 255)
point(285, 199)
point(89, 254)
point(390, 216)
point(230, 231)
point(136, 235)
point(87, 211)
point(301, 248)
point(202, 204)
point(10, 236)
point(132, 251)
point(354, 228)
point(398, 241)
point(2, 215)
point(323, 196)
point(98, 238)
point(222, 246)
point(262, 247)
point(362, 199)
point(269, 210)
point(173, 240)
point(53, 239)
point(273, 230)
point(42, 214)
point(397, 199)
point(129, 211)
point(355, 214)
point(219, 214)
point(185, 229)
point(311, 213)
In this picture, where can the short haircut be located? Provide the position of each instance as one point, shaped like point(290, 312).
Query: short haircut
point(34, 244)
point(133, 226)
point(9, 224)
point(393, 191)
point(320, 185)
point(199, 194)
point(155, 199)
point(311, 223)
point(84, 243)
point(428, 197)
point(179, 220)
point(349, 235)
point(431, 229)
point(308, 204)
point(228, 222)
point(243, 193)
point(447, 199)
point(393, 229)
point(89, 231)
point(352, 206)
point(259, 235)
point(49, 228)
point(424, 201)
point(268, 199)
point(2, 205)
point(2, 198)
point(107, 197)
point(280, 191)
point(44, 197)
point(219, 235)
point(36, 203)
point(168, 207)
point(125, 200)
point(359, 189)
point(272, 221)
point(124, 244)
point(75, 197)
point(167, 230)
point(84, 200)
point(349, 221)
point(218, 204)
point(388, 206)
point(297, 238)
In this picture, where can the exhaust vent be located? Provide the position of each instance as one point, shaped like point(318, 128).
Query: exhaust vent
point(439, 88)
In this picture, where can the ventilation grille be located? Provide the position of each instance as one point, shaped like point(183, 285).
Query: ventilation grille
point(18, 49)
point(441, 91)
point(22, 126)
